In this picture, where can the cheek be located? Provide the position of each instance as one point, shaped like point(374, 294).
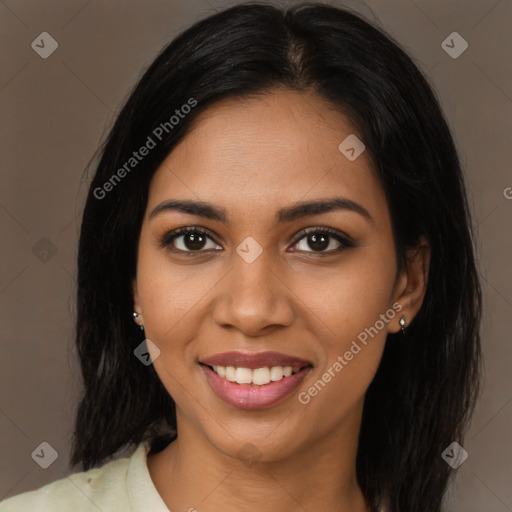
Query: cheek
point(349, 297)
point(354, 312)
point(171, 297)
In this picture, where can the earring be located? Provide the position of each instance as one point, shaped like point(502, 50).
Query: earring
point(402, 323)
point(135, 316)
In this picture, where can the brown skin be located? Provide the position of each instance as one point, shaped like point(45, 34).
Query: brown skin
point(253, 157)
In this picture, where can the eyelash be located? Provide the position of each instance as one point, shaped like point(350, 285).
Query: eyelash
point(169, 238)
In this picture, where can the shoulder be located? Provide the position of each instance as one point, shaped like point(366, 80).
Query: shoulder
point(105, 488)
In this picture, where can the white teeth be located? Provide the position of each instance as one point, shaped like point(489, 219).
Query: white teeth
point(276, 373)
point(258, 377)
point(243, 375)
point(230, 373)
point(261, 376)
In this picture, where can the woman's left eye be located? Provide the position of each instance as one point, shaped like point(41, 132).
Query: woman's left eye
point(195, 240)
point(321, 238)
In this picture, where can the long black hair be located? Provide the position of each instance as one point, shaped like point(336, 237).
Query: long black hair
point(424, 391)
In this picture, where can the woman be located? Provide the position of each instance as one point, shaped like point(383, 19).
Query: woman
point(278, 305)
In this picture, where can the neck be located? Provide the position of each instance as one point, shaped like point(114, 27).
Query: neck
point(192, 474)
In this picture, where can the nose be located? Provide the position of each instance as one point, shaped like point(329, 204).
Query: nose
point(254, 297)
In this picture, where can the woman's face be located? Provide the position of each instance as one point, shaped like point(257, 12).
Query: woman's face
point(255, 289)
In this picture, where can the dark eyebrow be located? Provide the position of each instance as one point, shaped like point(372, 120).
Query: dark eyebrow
point(317, 207)
point(286, 214)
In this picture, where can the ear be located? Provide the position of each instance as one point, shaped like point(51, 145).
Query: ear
point(136, 303)
point(412, 284)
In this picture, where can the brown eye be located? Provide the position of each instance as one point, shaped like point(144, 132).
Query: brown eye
point(188, 240)
point(320, 239)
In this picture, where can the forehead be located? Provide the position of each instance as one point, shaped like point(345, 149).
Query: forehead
point(276, 148)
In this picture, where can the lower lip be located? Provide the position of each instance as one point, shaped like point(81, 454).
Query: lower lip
point(251, 396)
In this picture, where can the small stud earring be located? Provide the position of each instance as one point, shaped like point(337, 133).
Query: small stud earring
point(402, 323)
point(135, 316)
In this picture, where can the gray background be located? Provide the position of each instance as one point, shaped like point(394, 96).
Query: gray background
point(54, 112)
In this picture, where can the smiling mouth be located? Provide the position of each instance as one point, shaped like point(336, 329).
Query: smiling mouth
point(258, 376)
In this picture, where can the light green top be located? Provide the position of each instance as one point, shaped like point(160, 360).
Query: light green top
point(122, 485)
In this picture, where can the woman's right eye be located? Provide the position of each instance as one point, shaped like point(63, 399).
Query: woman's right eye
point(187, 240)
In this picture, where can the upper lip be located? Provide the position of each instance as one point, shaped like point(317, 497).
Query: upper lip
point(255, 360)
